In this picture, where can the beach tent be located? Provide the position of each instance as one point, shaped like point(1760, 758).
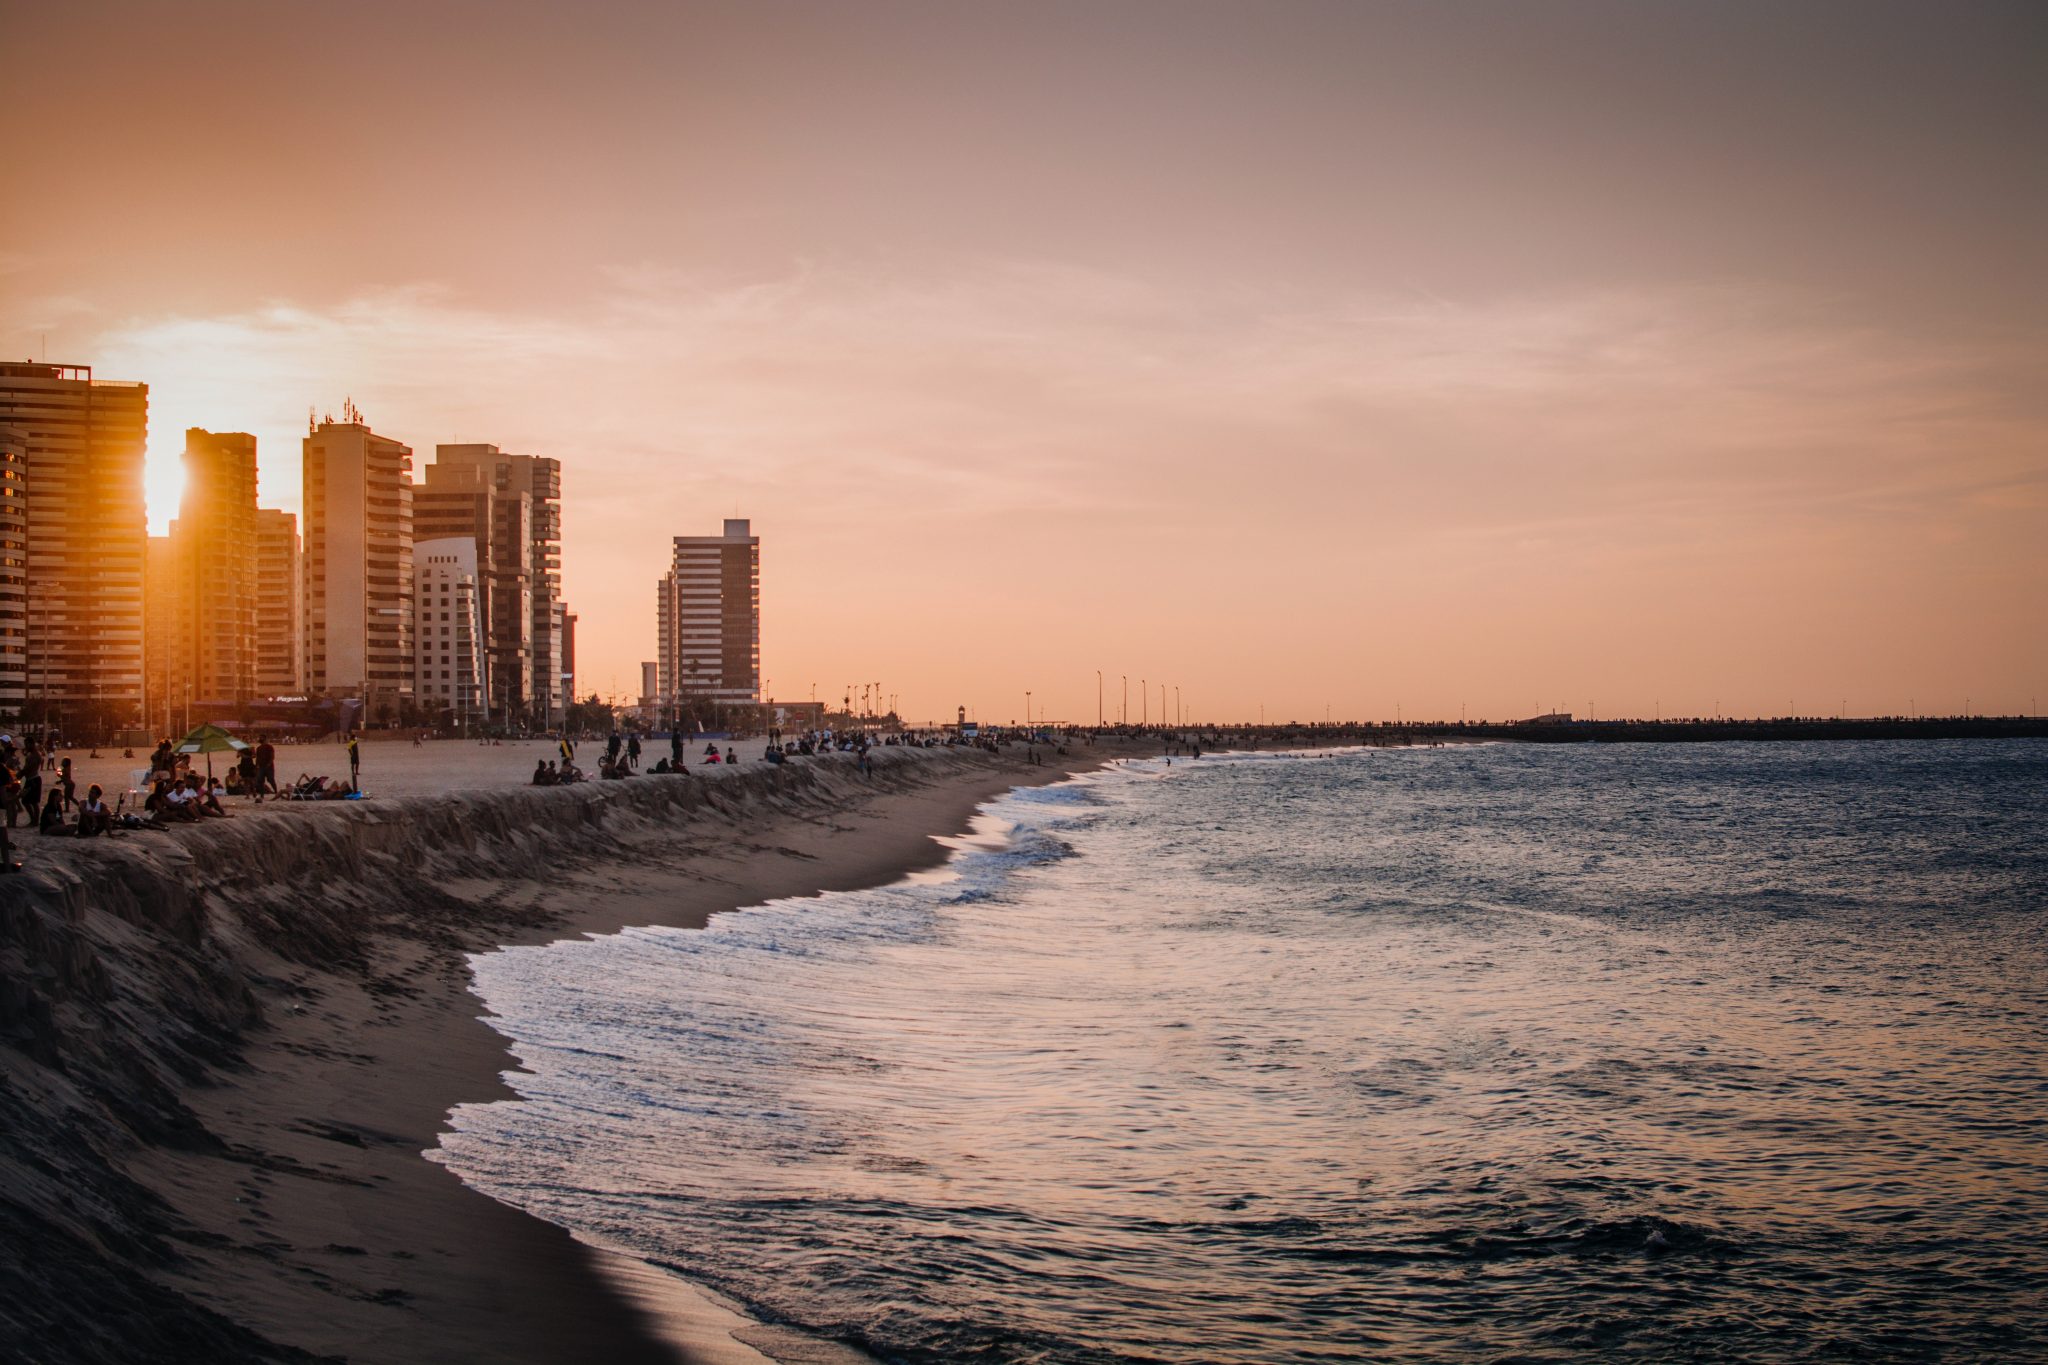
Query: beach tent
point(209, 740)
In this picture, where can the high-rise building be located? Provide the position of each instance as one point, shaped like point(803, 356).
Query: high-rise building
point(709, 618)
point(565, 663)
point(13, 571)
point(568, 660)
point(448, 630)
point(465, 500)
point(213, 655)
point(166, 700)
point(83, 440)
point(539, 477)
point(280, 604)
point(358, 565)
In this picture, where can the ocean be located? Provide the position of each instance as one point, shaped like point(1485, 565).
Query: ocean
point(1718, 1051)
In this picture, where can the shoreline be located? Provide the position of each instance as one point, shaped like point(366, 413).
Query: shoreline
point(296, 1212)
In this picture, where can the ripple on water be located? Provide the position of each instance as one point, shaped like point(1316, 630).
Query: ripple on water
point(1725, 1051)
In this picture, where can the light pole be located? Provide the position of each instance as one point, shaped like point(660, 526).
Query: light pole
point(1098, 699)
point(1144, 704)
point(1123, 714)
point(1027, 708)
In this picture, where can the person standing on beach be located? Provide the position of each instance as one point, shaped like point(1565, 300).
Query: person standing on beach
point(355, 763)
point(32, 780)
point(675, 747)
point(266, 766)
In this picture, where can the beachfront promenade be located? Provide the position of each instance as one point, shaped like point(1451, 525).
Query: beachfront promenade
point(393, 768)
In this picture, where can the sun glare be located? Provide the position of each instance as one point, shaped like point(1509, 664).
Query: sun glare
point(163, 480)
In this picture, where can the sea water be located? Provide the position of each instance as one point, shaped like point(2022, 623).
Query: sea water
point(1710, 1051)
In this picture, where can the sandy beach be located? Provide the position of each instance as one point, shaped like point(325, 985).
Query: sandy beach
point(272, 1139)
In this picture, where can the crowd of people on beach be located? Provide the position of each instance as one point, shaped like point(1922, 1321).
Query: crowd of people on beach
point(37, 782)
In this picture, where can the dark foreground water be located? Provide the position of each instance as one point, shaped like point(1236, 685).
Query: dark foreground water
point(1714, 1051)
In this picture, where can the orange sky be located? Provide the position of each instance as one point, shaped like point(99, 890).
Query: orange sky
point(1299, 354)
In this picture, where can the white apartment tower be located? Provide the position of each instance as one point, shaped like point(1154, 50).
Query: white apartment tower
point(358, 565)
point(448, 632)
point(708, 618)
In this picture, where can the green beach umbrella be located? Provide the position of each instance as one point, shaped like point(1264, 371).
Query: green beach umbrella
point(209, 740)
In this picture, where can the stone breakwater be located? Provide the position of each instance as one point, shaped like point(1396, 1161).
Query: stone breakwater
point(137, 969)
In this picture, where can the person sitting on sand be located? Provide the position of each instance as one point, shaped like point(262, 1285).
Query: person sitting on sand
point(201, 798)
point(93, 815)
point(52, 818)
point(540, 773)
point(170, 801)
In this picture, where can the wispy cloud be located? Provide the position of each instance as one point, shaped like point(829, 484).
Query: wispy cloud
point(1624, 426)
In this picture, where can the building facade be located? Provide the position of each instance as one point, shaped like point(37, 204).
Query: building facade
point(464, 499)
point(280, 588)
point(213, 542)
point(708, 617)
point(358, 566)
point(538, 478)
point(82, 443)
point(449, 678)
point(13, 572)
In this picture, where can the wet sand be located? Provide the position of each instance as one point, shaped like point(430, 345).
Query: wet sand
point(324, 1229)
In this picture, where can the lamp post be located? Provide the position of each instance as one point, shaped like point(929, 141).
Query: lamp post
point(1098, 699)
point(1123, 714)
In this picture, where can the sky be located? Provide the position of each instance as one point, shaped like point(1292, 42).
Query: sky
point(1421, 359)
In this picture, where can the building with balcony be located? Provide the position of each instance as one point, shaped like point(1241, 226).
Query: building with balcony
point(708, 619)
point(280, 589)
point(539, 479)
point(448, 635)
point(358, 565)
point(81, 443)
point(214, 557)
point(13, 572)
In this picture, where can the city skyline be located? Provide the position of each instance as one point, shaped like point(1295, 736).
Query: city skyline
point(1359, 357)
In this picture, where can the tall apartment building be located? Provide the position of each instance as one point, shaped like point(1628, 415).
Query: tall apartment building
point(280, 603)
point(83, 442)
point(539, 477)
point(449, 675)
point(13, 571)
point(213, 541)
point(709, 618)
point(358, 565)
point(165, 701)
point(465, 500)
point(568, 659)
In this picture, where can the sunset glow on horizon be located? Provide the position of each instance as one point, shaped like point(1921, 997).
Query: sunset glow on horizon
point(1484, 359)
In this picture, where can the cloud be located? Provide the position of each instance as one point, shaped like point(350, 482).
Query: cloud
point(1609, 427)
